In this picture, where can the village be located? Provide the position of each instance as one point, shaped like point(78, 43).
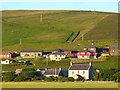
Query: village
point(76, 71)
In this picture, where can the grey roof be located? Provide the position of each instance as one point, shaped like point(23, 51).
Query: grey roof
point(84, 51)
point(79, 67)
point(90, 47)
point(52, 72)
point(115, 47)
point(4, 53)
point(62, 50)
point(58, 53)
point(31, 50)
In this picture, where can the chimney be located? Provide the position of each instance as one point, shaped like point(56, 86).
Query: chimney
point(90, 63)
point(46, 69)
point(71, 63)
point(60, 69)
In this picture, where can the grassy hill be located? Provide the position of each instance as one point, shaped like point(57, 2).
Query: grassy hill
point(47, 30)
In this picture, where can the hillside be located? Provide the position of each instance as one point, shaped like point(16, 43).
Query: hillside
point(50, 29)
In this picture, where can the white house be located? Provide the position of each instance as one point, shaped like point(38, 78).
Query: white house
point(56, 56)
point(5, 61)
point(84, 70)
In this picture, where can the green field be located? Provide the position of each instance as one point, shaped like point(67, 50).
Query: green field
point(59, 85)
point(55, 27)
point(110, 63)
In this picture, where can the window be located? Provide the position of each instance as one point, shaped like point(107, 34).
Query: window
point(92, 49)
point(72, 72)
point(78, 72)
point(83, 72)
point(113, 50)
point(82, 56)
point(82, 53)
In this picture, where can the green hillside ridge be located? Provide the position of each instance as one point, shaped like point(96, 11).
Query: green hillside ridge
point(55, 27)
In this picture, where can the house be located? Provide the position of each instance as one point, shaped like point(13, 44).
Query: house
point(64, 51)
point(31, 53)
point(53, 72)
point(5, 61)
point(85, 54)
point(7, 55)
point(21, 61)
point(91, 48)
point(18, 71)
point(104, 51)
point(81, 70)
point(114, 50)
point(56, 56)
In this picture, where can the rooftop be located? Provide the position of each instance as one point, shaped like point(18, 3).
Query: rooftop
point(62, 50)
point(115, 47)
point(79, 67)
point(90, 47)
point(31, 50)
point(58, 53)
point(52, 72)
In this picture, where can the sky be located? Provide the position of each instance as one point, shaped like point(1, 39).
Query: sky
point(93, 5)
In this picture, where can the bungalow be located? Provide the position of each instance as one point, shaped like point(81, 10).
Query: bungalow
point(90, 48)
point(56, 56)
point(64, 51)
point(81, 70)
point(5, 61)
point(53, 72)
point(114, 50)
point(7, 55)
point(85, 54)
point(30, 53)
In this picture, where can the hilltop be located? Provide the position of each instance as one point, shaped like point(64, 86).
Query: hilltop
point(50, 29)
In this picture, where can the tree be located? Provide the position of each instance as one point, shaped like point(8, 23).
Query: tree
point(25, 76)
point(8, 76)
point(117, 76)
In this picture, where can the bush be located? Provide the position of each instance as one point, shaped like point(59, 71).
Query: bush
point(8, 76)
point(80, 78)
point(71, 79)
point(25, 76)
point(49, 79)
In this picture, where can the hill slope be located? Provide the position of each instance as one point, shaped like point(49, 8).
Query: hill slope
point(43, 29)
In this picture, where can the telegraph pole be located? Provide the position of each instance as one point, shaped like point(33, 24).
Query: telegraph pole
point(20, 41)
point(82, 37)
point(41, 18)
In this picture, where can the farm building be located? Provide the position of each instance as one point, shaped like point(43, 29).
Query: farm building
point(56, 56)
point(7, 55)
point(31, 53)
point(81, 70)
point(5, 61)
point(53, 72)
point(85, 54)
point(64, 51)
point(91, 48)
point(115, 50)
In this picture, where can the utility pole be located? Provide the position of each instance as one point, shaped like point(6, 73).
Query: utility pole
point(82, 37)
point(47, 62)
point(20, 41)
point(41, 18)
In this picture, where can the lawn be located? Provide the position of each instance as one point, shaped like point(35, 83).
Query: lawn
point(59, 85)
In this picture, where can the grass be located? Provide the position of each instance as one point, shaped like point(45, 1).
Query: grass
point(59, 85)
point(54, 29)
point(110, 63)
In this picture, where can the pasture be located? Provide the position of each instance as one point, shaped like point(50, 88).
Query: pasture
point(38, 84)
point(55, 27)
